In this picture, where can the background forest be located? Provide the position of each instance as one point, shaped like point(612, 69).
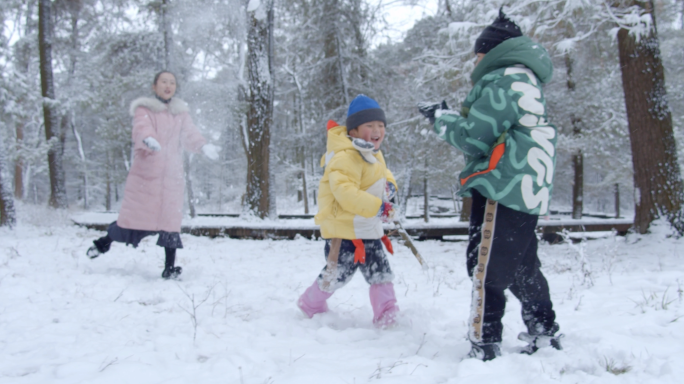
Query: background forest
point(313, 57)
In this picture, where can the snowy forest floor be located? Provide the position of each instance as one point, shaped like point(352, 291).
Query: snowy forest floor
point(232, 317)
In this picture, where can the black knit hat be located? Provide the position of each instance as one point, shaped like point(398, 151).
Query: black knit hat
point(501, 29)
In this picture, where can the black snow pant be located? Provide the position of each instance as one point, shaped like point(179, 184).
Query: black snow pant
point(376, 269)
point(502, 252)
point(169, 240)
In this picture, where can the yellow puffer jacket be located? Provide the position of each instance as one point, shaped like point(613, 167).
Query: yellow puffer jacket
point(351, 190)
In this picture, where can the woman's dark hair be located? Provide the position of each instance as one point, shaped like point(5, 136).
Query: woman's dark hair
point(156, 77)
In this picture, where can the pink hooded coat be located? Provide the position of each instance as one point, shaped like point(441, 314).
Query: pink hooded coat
point(153, 197)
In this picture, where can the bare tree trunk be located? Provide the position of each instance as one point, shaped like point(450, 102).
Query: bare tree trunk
point(406, 192)
point(340, 66)
point(313, 174)
point(7, 213)
point(84, 164)
point(447, 8)
point(454, 195)
point(299, 100)
point(426, 203)
point(359, 40)
point(108, 193)
point(68, 120)
point(466, 208)
point(578, 186)
point(578, 156)
point(272, 206)
point(23, 55)
point(75, 11)
point(426, 195)
point(260, 113)
point(333, 72)
point(187, 167)
point(188, 185)
point(305, 190)
point(617, 201)
point(167, 33)
point(58, 197)
point(657, 179)
point(19, 164)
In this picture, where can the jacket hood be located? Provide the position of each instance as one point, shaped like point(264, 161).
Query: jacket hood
point(519, 50)
point(176, 106)
point(338, 139)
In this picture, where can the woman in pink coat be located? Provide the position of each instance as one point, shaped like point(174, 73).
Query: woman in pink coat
point(153, 197)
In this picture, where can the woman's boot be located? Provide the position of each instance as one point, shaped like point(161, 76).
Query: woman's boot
point(99, 246)
point(171, 271)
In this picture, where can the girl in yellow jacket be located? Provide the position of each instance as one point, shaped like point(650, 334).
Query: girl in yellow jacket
point(355, 197)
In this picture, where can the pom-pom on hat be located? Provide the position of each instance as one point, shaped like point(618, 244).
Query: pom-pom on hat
point(362, 110)
point(501, 29)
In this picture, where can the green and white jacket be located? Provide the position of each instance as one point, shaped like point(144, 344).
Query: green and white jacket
point(503, 128)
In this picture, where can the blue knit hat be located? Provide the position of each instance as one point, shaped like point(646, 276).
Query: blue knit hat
point(362, 110)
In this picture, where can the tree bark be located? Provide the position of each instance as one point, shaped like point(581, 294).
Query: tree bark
point(578, 156)
point(657, 179)
point(272, 206)
point(7, 213)
point(188, 185)
point(447, 8)
point(617, 201)
point(305, 190)
point(426, 194)
point(19, 163)
point(108, 184)
point(68, 119)
point(578, 186)
point(333, 72)
point(260, 112)
point(84, 164)
point(57, 185)
point(167, 33)
point(404, 198)
point(359, 40)
point(340, 67)
point(23, 56)
point(466, 207)
point(299, 115)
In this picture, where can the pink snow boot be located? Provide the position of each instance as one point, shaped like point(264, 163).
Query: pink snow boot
point(312, 301)
point(384, 304)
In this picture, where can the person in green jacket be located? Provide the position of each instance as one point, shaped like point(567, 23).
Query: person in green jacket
point(509, 147)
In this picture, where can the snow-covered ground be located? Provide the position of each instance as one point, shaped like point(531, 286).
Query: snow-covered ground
point(232, 317)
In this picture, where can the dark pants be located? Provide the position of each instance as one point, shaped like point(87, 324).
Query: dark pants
point(376, 269)
point(134, 236)
point(169, 240)
point(511, 263)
